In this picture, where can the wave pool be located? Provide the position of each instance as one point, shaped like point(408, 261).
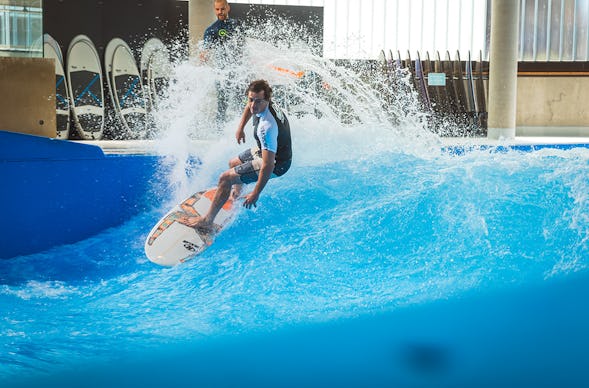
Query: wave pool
point(379, 259)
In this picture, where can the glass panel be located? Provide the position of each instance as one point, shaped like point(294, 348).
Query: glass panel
point(21, 28)
point(555, 27)
point(581, 33)
point(527, 29)
point(18, 30)
point(568, 29)
point(3, 28)
point(541, 25)
point(36, 33)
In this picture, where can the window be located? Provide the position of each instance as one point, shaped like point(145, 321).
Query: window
point(21, 28)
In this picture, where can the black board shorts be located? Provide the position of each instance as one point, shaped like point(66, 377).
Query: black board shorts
point(252, 164)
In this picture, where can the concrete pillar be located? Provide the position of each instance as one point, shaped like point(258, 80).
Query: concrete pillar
point(201, 14)
point(503, 69)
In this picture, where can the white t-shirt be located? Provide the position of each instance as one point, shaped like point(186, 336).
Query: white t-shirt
point(267, 131)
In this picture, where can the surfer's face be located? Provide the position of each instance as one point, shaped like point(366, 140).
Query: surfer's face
point(257, 101)
point(221, 10)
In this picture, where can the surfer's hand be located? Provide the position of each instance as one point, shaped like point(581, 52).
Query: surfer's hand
point(250, 200)
point(240, 136)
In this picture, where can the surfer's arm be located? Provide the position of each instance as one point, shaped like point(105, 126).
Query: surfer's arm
point(245, 117)
point(268, 158)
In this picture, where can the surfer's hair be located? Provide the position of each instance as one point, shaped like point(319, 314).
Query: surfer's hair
point(258, 86)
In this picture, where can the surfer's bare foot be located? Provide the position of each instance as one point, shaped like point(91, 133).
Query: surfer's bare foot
point(197, 223)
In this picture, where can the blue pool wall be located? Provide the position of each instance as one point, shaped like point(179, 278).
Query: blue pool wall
point(57, 192)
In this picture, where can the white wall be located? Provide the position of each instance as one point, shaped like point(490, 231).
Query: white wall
point(359, 29)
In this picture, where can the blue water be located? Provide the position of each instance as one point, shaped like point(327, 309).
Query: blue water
point(364, 244)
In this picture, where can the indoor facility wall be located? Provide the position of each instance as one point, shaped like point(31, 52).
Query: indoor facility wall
point(544, 101)
point(27, 87)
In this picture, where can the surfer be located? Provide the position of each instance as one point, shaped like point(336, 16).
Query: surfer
point(269, 159)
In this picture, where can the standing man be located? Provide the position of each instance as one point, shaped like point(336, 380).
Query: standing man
point(222, 29)
point(270, 158)
point(218, 52)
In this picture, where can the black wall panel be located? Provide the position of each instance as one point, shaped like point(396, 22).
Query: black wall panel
point(134, 21)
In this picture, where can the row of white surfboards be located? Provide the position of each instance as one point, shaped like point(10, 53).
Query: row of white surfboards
point(80, 92)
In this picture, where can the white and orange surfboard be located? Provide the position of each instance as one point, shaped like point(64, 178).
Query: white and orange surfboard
point(170, 242)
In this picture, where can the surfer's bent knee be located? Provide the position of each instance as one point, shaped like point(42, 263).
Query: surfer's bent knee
point(229, 177)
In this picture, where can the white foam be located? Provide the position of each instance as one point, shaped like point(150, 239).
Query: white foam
point(335, 112)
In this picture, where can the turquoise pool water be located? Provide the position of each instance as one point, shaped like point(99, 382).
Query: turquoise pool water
point(379, 259)
point(459, 262)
